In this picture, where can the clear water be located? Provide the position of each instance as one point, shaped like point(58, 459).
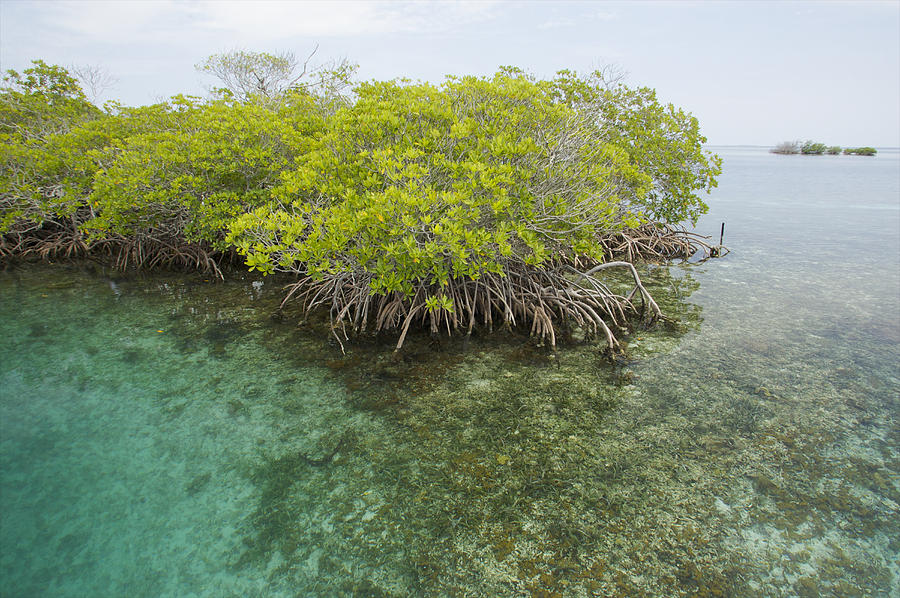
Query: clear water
point(166, 436)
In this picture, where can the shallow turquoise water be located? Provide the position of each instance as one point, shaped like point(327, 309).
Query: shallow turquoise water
point(165, 436)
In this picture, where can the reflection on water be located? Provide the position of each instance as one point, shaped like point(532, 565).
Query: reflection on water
point(167, 436)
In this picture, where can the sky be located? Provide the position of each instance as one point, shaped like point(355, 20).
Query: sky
point(754, 73)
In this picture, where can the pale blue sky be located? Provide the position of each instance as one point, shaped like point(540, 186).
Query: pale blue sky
point(752, 72)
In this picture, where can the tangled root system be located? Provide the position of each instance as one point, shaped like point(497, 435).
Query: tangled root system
point(543, 300)
point(152, 249)
point(654, 242)
point(55, 239)
point(148, 251)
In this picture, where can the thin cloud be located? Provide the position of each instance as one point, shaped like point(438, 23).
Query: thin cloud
point(270, 19)
point(115, 22)
point(567, 22)
point(557, 24)
point(603, 15)
point(252, 22)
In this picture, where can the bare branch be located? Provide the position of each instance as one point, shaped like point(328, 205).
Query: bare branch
point(95, 80)
point(245, 74)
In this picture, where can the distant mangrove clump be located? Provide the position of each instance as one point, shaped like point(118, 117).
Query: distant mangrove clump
point(861, 151)
point(815, 148)
point(480, 201)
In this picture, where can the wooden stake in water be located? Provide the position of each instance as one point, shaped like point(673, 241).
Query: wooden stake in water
point(722, 234)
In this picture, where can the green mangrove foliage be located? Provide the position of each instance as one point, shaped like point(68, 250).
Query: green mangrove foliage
point(181, 183)
point(155, 185)
point(815, 148)
point(477, 200)
point(473, 200)
point(46, 123)
point(663, 141)
point(861, 151)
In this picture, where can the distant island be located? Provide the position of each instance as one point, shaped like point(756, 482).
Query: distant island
point(814, 148)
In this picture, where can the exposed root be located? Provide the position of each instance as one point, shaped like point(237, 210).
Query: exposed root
point(648, 315)
point(56, 244)
point(653, 242)
point(149, 250)
point(153, 249)
point(54, 239)
point(546, 301)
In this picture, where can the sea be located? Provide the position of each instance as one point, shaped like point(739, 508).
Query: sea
point(172, 435)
